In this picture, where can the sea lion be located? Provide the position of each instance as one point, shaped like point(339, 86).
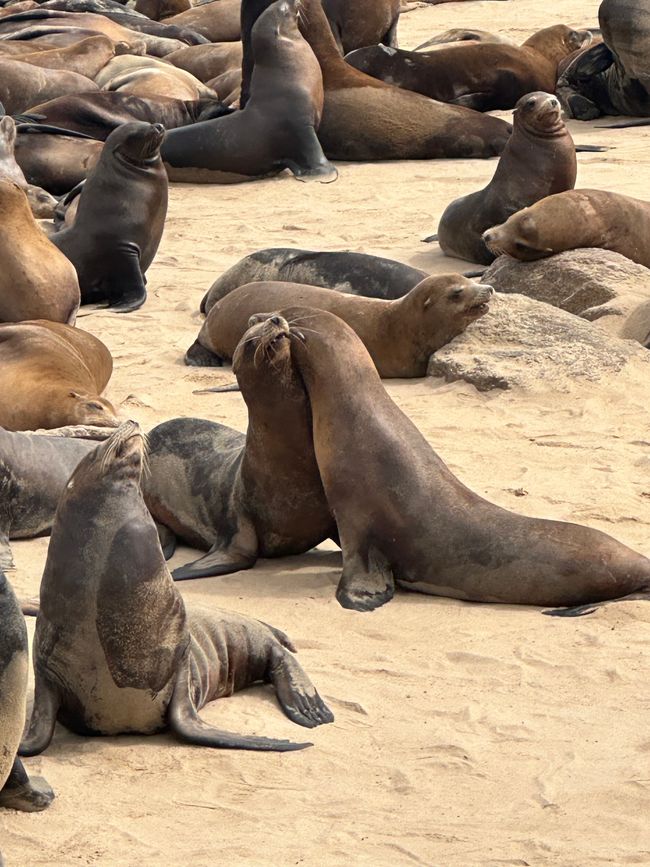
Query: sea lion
point(41, 203)
point(36, 280)
point(120, 218)
point(400, 335)
point(17, 790)
point(34, 470)
point(483, 76)
point(85, 57)
point(208, 61)
point(218, 21)
point(539, 160)
point(404, 518)
point(364, 22)
point(115, 649)
point(457, 35)
point(227, 86)
point(51, 375)
point(23, 85)
point(55, 162)
point(576, 218)
point(276, 129)
point(243, 496)
point(354, 273)
point(151, 78)
point(158, 10)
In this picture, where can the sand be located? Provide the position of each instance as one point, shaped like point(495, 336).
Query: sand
point(464, 734)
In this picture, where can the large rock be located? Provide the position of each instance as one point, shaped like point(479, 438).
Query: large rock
point(523, 343)
point(603, 287)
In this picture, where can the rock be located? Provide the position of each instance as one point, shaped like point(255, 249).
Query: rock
point(523, 343)
point(599, 285)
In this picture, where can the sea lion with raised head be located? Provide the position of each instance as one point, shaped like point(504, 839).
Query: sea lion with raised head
point(538, 161)
point(400, 335)
point(116, 651)
point(120, 218)
point(404, 518)
point(52, 375)
point(576, 218)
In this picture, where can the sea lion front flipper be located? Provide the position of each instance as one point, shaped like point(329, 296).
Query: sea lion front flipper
point(186, 724)
point(125, 285)
point(200, 356)
point(308, 162)
point(366, 583)
point(22, 793)
point(296, 693)
point(41, 725)
point(216, 562)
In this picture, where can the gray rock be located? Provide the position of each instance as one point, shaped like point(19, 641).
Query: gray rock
point(598, 285)
point(523, 343)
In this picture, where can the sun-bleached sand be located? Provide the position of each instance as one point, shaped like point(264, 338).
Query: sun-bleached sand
point(464, 734)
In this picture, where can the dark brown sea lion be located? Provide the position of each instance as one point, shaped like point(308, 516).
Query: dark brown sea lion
point(404, 518)
point(85, 57)
point(42, 204)
point(539, 160)
point(51, 375)
point(243, 496)
point(277, 128)
point(151, 78)
point(57, 163)
point(17, 790)
point(483, 76)
point(120, 218)
point(34, 470)
point(356, 23)
point(400, 335)
point(576, 218)
point(23, 85)
point(218, 21)
point(354, 273)
point(36, 280)
point(115, 649)
point(208, 61)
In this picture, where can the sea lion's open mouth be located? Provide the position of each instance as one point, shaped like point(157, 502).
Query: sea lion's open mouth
point(481, 304)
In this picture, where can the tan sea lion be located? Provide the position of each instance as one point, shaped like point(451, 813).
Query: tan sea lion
point(151, 78)
point(57, 163)
point(576, 218)
point(539, 160)
point(42, 204)
point(116, 651)
point(23, 85)
point(158, 10)
point(51, 375)
point(218, 21)
point(404, 518)
point(85, 57)
point(363, 22)
point(208, 61)
point(400, 335)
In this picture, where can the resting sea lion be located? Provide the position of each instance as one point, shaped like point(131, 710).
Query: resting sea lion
point(23, 85)
point(576, 218)
point(539, 160)
point(120, 218)
point(354, 273)
point(17, 791)
point(42, 204)
point(115, 650)
point(400, 335)
point(276, 129)
point(456, 35)
point(217, 21)
point(36, 280)
point(243, 496)
point(85, 57)
point(404, 518)
point(208, 61)
point(57, 163)
point(364, 22)
point(151, 78)
point(51, 375)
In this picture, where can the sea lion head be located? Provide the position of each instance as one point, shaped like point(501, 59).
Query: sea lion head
point(540, 112)
point(119, 459)
point(453, 299)
point(136, 144)
point(279, 20)
point(558, 40)
point(90, 409)
point(517, 237)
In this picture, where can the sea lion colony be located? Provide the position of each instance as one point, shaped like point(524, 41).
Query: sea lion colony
point(104, 106)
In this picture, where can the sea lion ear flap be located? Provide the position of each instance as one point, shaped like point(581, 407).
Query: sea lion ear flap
point(76, 395)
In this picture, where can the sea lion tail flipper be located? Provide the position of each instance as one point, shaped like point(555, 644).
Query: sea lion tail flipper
point(296, 693)
point(366, 582)
point(187, 725)
point(591, 149)
point(430, 239)
point(22, 793)
point(125, 285)
point(31, 607)
point(41, 725)
point(590, 607)
point(199, 356)
point(215, 562)
point(220, 389)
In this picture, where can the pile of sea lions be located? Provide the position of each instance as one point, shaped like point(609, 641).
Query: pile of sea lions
point(104, 106)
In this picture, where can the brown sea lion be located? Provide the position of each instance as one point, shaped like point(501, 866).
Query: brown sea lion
point(576, 218)
point(400, 335)
point(151, 78)
point(17, 790)
point(158, 10)
point(36, 280)
point(456, 35)
point(227, 85)
point(404, 518)
point(42, 204)
point(85, 57)
point(23, 85)
point(51, 375)
point(218, 21)
point(276, 129)
point(120, 218)
point(208, 61)
point(539, 160)
point(243, 496)
point(116, 651)
point(57, 163)
point(356, 23)
point(483, 76)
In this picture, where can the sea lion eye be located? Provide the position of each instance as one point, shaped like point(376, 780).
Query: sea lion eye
point(456, 293)
point(92, 405)
point(531, 103)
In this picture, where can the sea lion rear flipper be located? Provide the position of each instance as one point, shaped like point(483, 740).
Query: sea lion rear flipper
point(590, 607)
point(199, 356)
point(364, 586)
point(41, 725)
point(186, 724)
point(167, 539)
point(22, 793)
point(125, 285)
point(215, 562)
point(296, 693)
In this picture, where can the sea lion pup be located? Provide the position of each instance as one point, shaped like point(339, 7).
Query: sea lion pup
point(576, 218)
point(276, 129)
point(483, 76)
point(243, 496)
point(364, 22)
point(34, 470)
point(538, 160)
point(120, 218)
point(36, 279)
point(116, 651)
point(51, 375)
point(17, 790)
point(354, 273)
point(400, 335)
point(55, 162)
point(404, 518)
point(41, 203)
